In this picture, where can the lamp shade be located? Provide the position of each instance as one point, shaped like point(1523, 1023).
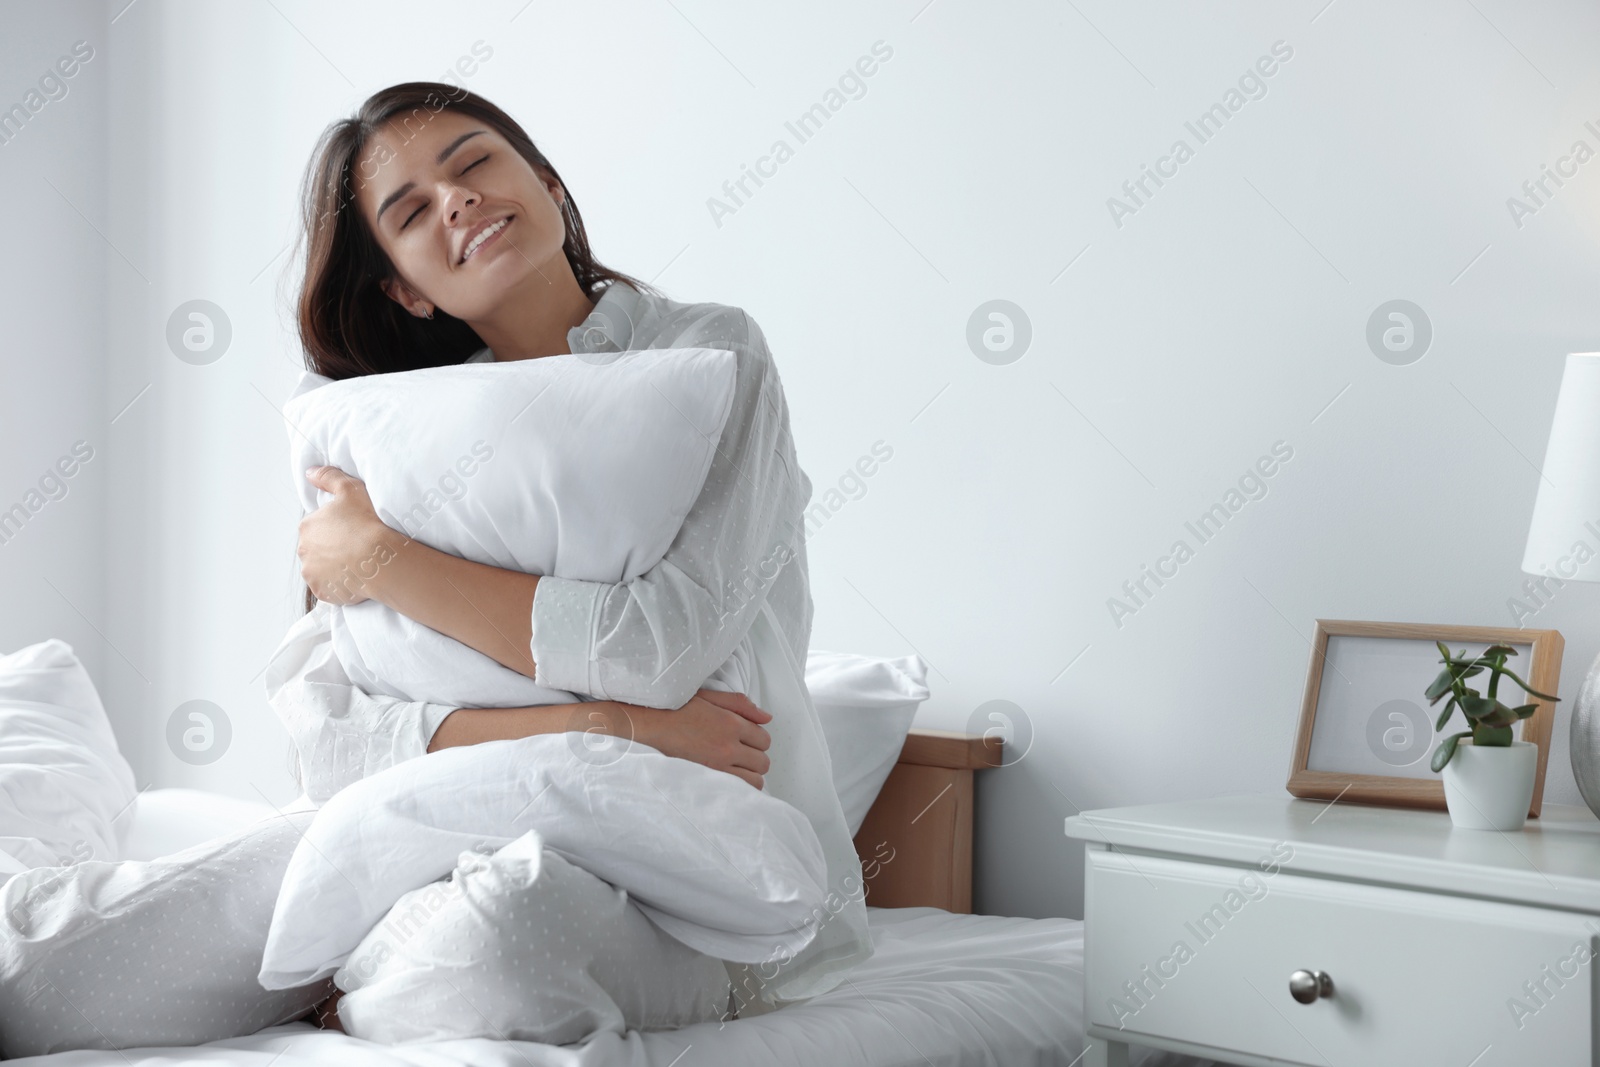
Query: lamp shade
point(1564, 538)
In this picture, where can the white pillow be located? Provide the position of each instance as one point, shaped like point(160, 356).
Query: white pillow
point(63, 784)
point(127, 954)
point(578, 466)
point(726, 869)
point(866, 706)
point(522, 945)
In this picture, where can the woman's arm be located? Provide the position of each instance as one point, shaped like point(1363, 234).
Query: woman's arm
point(722, 731)
point(347, 555)
point(342, 734)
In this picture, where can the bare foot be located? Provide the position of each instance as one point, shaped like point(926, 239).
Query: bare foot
point(327, 1013)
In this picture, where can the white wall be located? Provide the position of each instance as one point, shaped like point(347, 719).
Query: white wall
point(1220, 318)
point(52, 302)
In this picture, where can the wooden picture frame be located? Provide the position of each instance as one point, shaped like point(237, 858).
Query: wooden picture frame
point(1310, 772)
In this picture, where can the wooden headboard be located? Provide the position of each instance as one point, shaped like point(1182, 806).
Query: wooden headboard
point(916, 842)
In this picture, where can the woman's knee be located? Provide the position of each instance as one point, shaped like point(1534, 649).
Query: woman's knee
point(522, 944)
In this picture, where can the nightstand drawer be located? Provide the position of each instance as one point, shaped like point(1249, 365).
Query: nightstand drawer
point(1202, 953)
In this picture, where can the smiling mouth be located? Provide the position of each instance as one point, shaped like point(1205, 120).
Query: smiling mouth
point(483, 236)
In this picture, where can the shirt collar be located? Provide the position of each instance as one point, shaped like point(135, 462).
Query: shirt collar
point(609, 327)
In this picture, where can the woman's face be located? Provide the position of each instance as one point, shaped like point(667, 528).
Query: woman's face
point(464, 219)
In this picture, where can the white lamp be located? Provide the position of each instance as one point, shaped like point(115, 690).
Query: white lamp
point(1564, 538)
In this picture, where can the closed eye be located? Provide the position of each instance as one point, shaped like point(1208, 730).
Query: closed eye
point(418, 211)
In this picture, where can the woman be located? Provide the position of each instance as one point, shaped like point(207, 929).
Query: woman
point(437, 233)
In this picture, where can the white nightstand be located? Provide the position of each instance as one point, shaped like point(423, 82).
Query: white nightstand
point(1435, 946)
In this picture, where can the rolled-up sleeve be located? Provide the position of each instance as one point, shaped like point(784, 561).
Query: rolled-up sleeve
point(341, 733)
point(655, 639)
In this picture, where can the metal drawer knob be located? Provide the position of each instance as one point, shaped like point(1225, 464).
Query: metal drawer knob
point(1307, 986)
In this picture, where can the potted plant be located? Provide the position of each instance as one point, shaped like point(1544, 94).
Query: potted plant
point(1488, 775)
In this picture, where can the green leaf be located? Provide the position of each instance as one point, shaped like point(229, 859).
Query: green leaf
point(1525, 710)
point(1444, 716)
point(1498, 650)
point(1501, 716)
point(1492, 736)
point(1476, 707)
point(1447, 749)
point(1441, 685)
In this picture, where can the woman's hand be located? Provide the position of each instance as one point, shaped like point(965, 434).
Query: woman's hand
point(721, 730)
point(343, 543)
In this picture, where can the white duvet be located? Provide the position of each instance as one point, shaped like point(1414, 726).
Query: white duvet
point(940, 990)
point(726, 869)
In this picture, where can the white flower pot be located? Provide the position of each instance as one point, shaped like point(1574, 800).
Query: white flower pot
point(1490, 788)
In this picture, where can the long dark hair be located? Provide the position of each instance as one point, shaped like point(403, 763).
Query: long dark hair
point(348, 325)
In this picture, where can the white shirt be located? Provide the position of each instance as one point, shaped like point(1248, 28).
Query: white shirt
point(728, 607)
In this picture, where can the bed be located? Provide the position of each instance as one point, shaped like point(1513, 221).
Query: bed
point(944, 987)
